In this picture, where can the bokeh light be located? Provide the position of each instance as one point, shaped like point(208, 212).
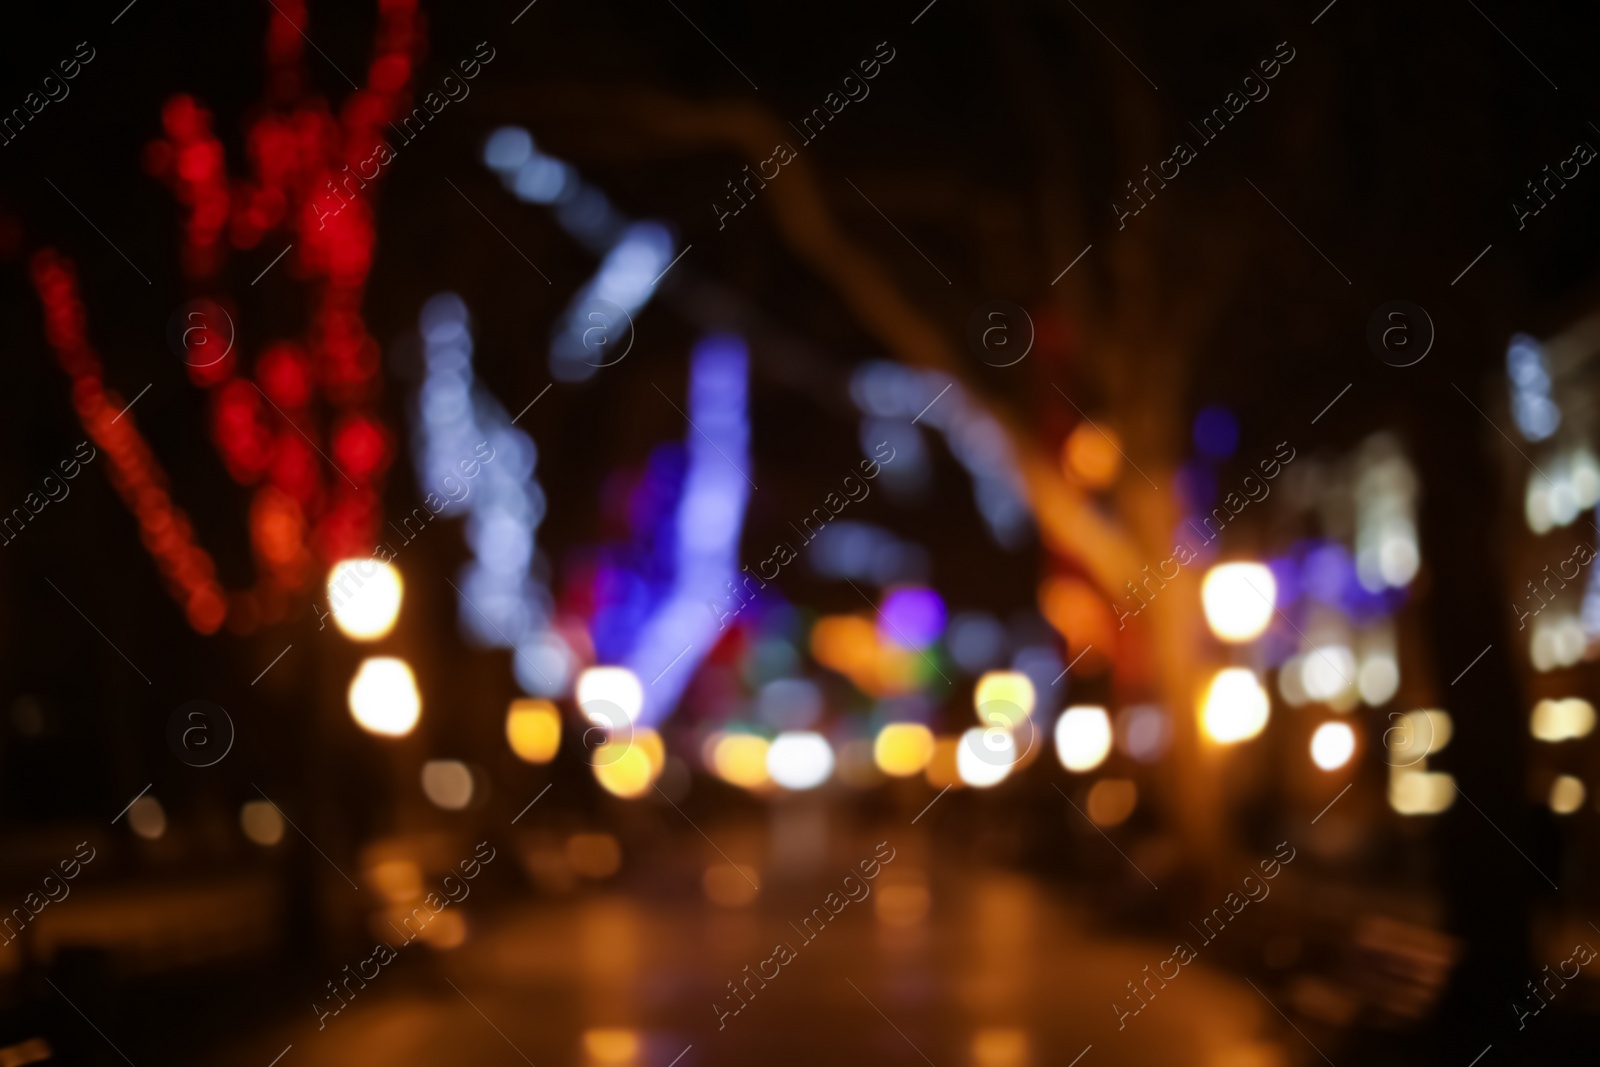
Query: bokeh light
point(800, 759)
point(261, 823)
point(383, 696)
point(902, 749)
point(943, 769)
point(1238, 600)
point(1111, 801)
point(985, 756)
point(976, 641)
point(912, 616)
point(628, 767)
point(1566, 794)
point(1332, 745)
point(1090, 455)
point(611, 1045)
point(1083, 738)
point(364, 596)
point(1216, 432)
point(789, 703)
point(1143, 732)
point(447, 783)
point(1561, 720)
point(741, 759)
point(1004, 687)
point(147, 818)
point(533, 730)
point(1235, 706)
point(601, 691)
point(1415, 792)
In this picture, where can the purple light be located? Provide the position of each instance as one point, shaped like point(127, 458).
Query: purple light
point(1286, 573)
point(1197, 485)
point(1328, 573)
point(1216, 432)
point(681, 632)
point(913, 617)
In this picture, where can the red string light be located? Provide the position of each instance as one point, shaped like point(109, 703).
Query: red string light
point(267, 429)
point(136, 475)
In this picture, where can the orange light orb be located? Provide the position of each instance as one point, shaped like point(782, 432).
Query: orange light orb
point(1090, 455)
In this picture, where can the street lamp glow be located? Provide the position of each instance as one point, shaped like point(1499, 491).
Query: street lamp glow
point(985, 756)
point(383, 697)
point(800, 759)
point(364, 595)
point(1083, 738)
point(1332, 745)
point(1566, 794)
point(1235, 707)
point(604, 691)
point(1238, 600)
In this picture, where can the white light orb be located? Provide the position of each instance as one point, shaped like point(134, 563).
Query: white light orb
point(364, 596)
point(985, 756)
point(1326, 672)
point(1332, 745)
point(383, 696)
point(1083, 738)
point(1235, 707)
point(1238, 599)
point(800, 759)
point(602, 689)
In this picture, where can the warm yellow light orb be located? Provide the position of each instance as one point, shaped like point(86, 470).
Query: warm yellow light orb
point(1414, 792)
point(649, 742)
point(1566, 794)
point(533, 730)
point(1235, 707)
point(364, 596)
point(1238, 600)
point(261, 822)
point(741, 759)
point(1083, 738)
point(1561, 720)
point(942, 769)
point(1332, 745)
point(383, 696)
point(1111, 801)
point(611, 1046)
point(1009, 687)
point(626, 774)
point(903, 749)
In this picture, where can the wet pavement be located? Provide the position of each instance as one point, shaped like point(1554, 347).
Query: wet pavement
point(987, 967)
